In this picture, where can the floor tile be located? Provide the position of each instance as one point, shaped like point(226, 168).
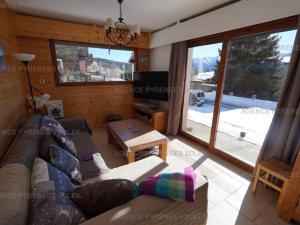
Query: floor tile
point(206, 172)
point(215, 193)
point(211, 204)
point(251, 205)
point(212, 165)
point(270, 214)
point(224, 214)
point(260, 220)
point(228, 183)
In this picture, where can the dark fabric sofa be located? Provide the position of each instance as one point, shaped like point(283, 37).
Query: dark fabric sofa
point(31, 143)
point(15, 178)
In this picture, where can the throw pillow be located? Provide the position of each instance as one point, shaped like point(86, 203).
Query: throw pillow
point(99, 197)
point(50, 203)
point(45, 142)
point(66, 162)
point(49, 124)
point(65, 142)
point(176, 186)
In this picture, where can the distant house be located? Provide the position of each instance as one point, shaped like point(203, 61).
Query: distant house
point(286, 59)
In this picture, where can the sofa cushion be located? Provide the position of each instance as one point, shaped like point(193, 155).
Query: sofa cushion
point(137, 171)
point(49, 124)
point(44, 172)
point(152, 210)
point(44, 148)
point(141, 170)
point(23, 150)
point(136, 211)
point(65, 142)
point(93, 168)
point(14, 198)
point(25, 146)
point(99, 197)
point(84, 144)
point(73, 125)
point(66, 162)
point(52, 206)
point(33, 122)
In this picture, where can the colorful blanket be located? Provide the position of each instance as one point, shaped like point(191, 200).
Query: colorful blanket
point(177, 186)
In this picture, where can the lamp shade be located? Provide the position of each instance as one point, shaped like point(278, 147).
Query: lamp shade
point(109, 24)
point(136, 30)
point(45, 97)
point(40, 101)
point(23, 57)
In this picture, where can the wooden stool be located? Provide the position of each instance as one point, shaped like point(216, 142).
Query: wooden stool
point(271, 168)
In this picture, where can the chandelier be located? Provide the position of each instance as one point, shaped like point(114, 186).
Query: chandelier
point(118, 32)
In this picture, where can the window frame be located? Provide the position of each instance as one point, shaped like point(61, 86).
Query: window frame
point(279, 25)
point(52, 43)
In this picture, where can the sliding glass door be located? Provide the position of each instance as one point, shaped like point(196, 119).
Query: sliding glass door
point(201, 87)
point(231, 95)
point(256, 69)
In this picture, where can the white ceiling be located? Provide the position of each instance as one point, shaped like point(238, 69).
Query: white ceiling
point(149, 14)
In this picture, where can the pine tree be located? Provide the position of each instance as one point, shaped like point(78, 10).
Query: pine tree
point(253, 67)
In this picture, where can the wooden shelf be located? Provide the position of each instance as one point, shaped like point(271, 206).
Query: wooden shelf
point(156, 118)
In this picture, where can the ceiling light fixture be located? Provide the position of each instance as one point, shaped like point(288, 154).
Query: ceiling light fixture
point(119, 33)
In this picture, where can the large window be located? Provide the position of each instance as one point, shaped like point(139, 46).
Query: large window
point(201, 85)
point(256, 69)
point(78, 63)
point(233, 83)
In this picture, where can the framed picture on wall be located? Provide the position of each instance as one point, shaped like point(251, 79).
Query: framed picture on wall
point(1, 58)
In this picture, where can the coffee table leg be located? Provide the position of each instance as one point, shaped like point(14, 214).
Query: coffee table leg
point(163, 151)
point(130, 156)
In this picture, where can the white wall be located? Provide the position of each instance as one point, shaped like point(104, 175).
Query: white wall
point(241, 14)
point(159, 61)
point(160, 58)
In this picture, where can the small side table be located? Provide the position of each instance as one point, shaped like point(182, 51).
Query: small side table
point(271, 168)
point(134, 136)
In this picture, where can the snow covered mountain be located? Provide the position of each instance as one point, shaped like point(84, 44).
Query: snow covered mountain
point(208, 64)
point(205, 64)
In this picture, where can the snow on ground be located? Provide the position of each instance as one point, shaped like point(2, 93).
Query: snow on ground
point(238, 114)
point(241, 102)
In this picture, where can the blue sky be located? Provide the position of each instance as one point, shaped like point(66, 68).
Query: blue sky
point(286, 43)
point(116, 55)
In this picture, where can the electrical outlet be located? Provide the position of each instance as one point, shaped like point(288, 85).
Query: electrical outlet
point(42, 81)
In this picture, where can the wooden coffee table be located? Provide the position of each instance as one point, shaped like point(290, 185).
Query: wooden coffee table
point(134, 135)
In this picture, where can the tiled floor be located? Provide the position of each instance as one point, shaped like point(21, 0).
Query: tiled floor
point(230, 199)
point(241, 149)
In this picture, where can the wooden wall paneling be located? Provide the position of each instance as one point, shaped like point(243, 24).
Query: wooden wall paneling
point(86, 101)
point(35, 27)
point(12, 83)
point(143, 60)
point(92, 102)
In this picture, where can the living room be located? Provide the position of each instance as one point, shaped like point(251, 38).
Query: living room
point(130, 112)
